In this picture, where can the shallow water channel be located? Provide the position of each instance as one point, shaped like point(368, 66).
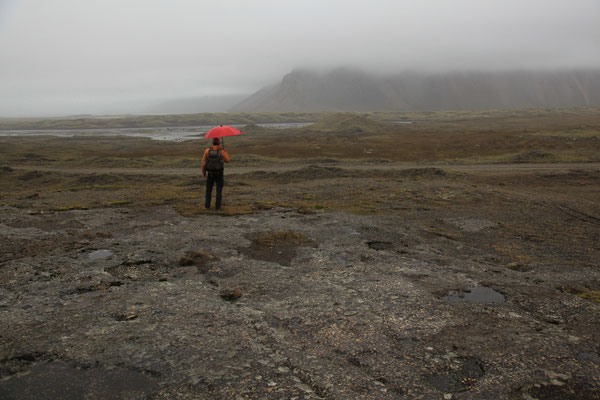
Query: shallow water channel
point(175, 134)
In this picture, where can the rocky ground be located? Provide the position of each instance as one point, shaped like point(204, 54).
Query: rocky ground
point(469, 287)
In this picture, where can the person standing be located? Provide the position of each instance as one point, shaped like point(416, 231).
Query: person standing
point(213, 165)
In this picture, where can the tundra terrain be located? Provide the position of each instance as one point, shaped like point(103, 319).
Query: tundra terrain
point(452, 257)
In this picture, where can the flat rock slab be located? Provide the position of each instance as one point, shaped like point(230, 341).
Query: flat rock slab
point(100, 255)
point(352, 307)
point(471, 224)
point(57, 380)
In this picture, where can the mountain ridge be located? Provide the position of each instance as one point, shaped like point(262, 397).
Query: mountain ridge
point(346, 89)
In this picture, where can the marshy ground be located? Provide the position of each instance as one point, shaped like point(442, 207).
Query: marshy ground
point(455, 257)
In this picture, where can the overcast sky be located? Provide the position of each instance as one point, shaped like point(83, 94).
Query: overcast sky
point(106, 56)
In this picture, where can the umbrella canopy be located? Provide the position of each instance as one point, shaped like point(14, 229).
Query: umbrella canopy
point(221, 131)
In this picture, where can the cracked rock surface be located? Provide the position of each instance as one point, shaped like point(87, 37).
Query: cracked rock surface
point(102, 304)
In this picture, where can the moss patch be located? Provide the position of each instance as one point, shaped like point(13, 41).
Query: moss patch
point(584, 293)
point(71, 207)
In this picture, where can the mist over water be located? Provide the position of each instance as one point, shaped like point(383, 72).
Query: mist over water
point(116, 57)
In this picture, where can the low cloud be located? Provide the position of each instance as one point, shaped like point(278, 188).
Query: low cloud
point(68, 56)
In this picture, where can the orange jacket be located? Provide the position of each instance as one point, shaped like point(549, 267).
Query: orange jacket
point(216, 147)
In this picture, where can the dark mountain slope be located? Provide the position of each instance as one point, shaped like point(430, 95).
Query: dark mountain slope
point(353, 90)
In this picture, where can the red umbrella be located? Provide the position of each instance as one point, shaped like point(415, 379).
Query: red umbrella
point(221, 131)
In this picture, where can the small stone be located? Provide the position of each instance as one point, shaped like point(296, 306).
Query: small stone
point(163, 278)
point(231, 294)
point(258, 377)
point(574, 339)
point(304, 387)
point(552, 319)
point(129, 316)
point(447, 396)
point(557, 375)
point(272, 383)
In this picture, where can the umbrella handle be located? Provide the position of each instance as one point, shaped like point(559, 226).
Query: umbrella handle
point(223, 142)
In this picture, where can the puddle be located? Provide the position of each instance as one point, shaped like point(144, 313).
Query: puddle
point(279, 247)
point(477, 294)
point(61, 381)
point(462, 375)
point(100, 255)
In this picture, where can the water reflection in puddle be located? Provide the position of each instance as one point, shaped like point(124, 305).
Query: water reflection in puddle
point(477, 294)
point(100, 255)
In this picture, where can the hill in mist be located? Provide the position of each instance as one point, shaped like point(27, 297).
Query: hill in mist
point(353, 90)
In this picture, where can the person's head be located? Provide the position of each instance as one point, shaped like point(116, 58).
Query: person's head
point(216, 141)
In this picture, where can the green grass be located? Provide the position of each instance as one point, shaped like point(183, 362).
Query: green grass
point(118, 203)
point(71, 207)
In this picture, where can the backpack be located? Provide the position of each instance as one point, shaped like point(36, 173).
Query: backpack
point(214, 161)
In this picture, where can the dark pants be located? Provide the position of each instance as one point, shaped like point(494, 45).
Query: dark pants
point(211, 179)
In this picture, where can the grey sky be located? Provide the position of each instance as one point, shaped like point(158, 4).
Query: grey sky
point(70, 56)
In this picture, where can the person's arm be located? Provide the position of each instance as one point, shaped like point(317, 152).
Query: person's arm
point(203, 162)
point(225, 155)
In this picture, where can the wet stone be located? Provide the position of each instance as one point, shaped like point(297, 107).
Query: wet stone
point(58, 380)
point(477, 294)
point(100, 255)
